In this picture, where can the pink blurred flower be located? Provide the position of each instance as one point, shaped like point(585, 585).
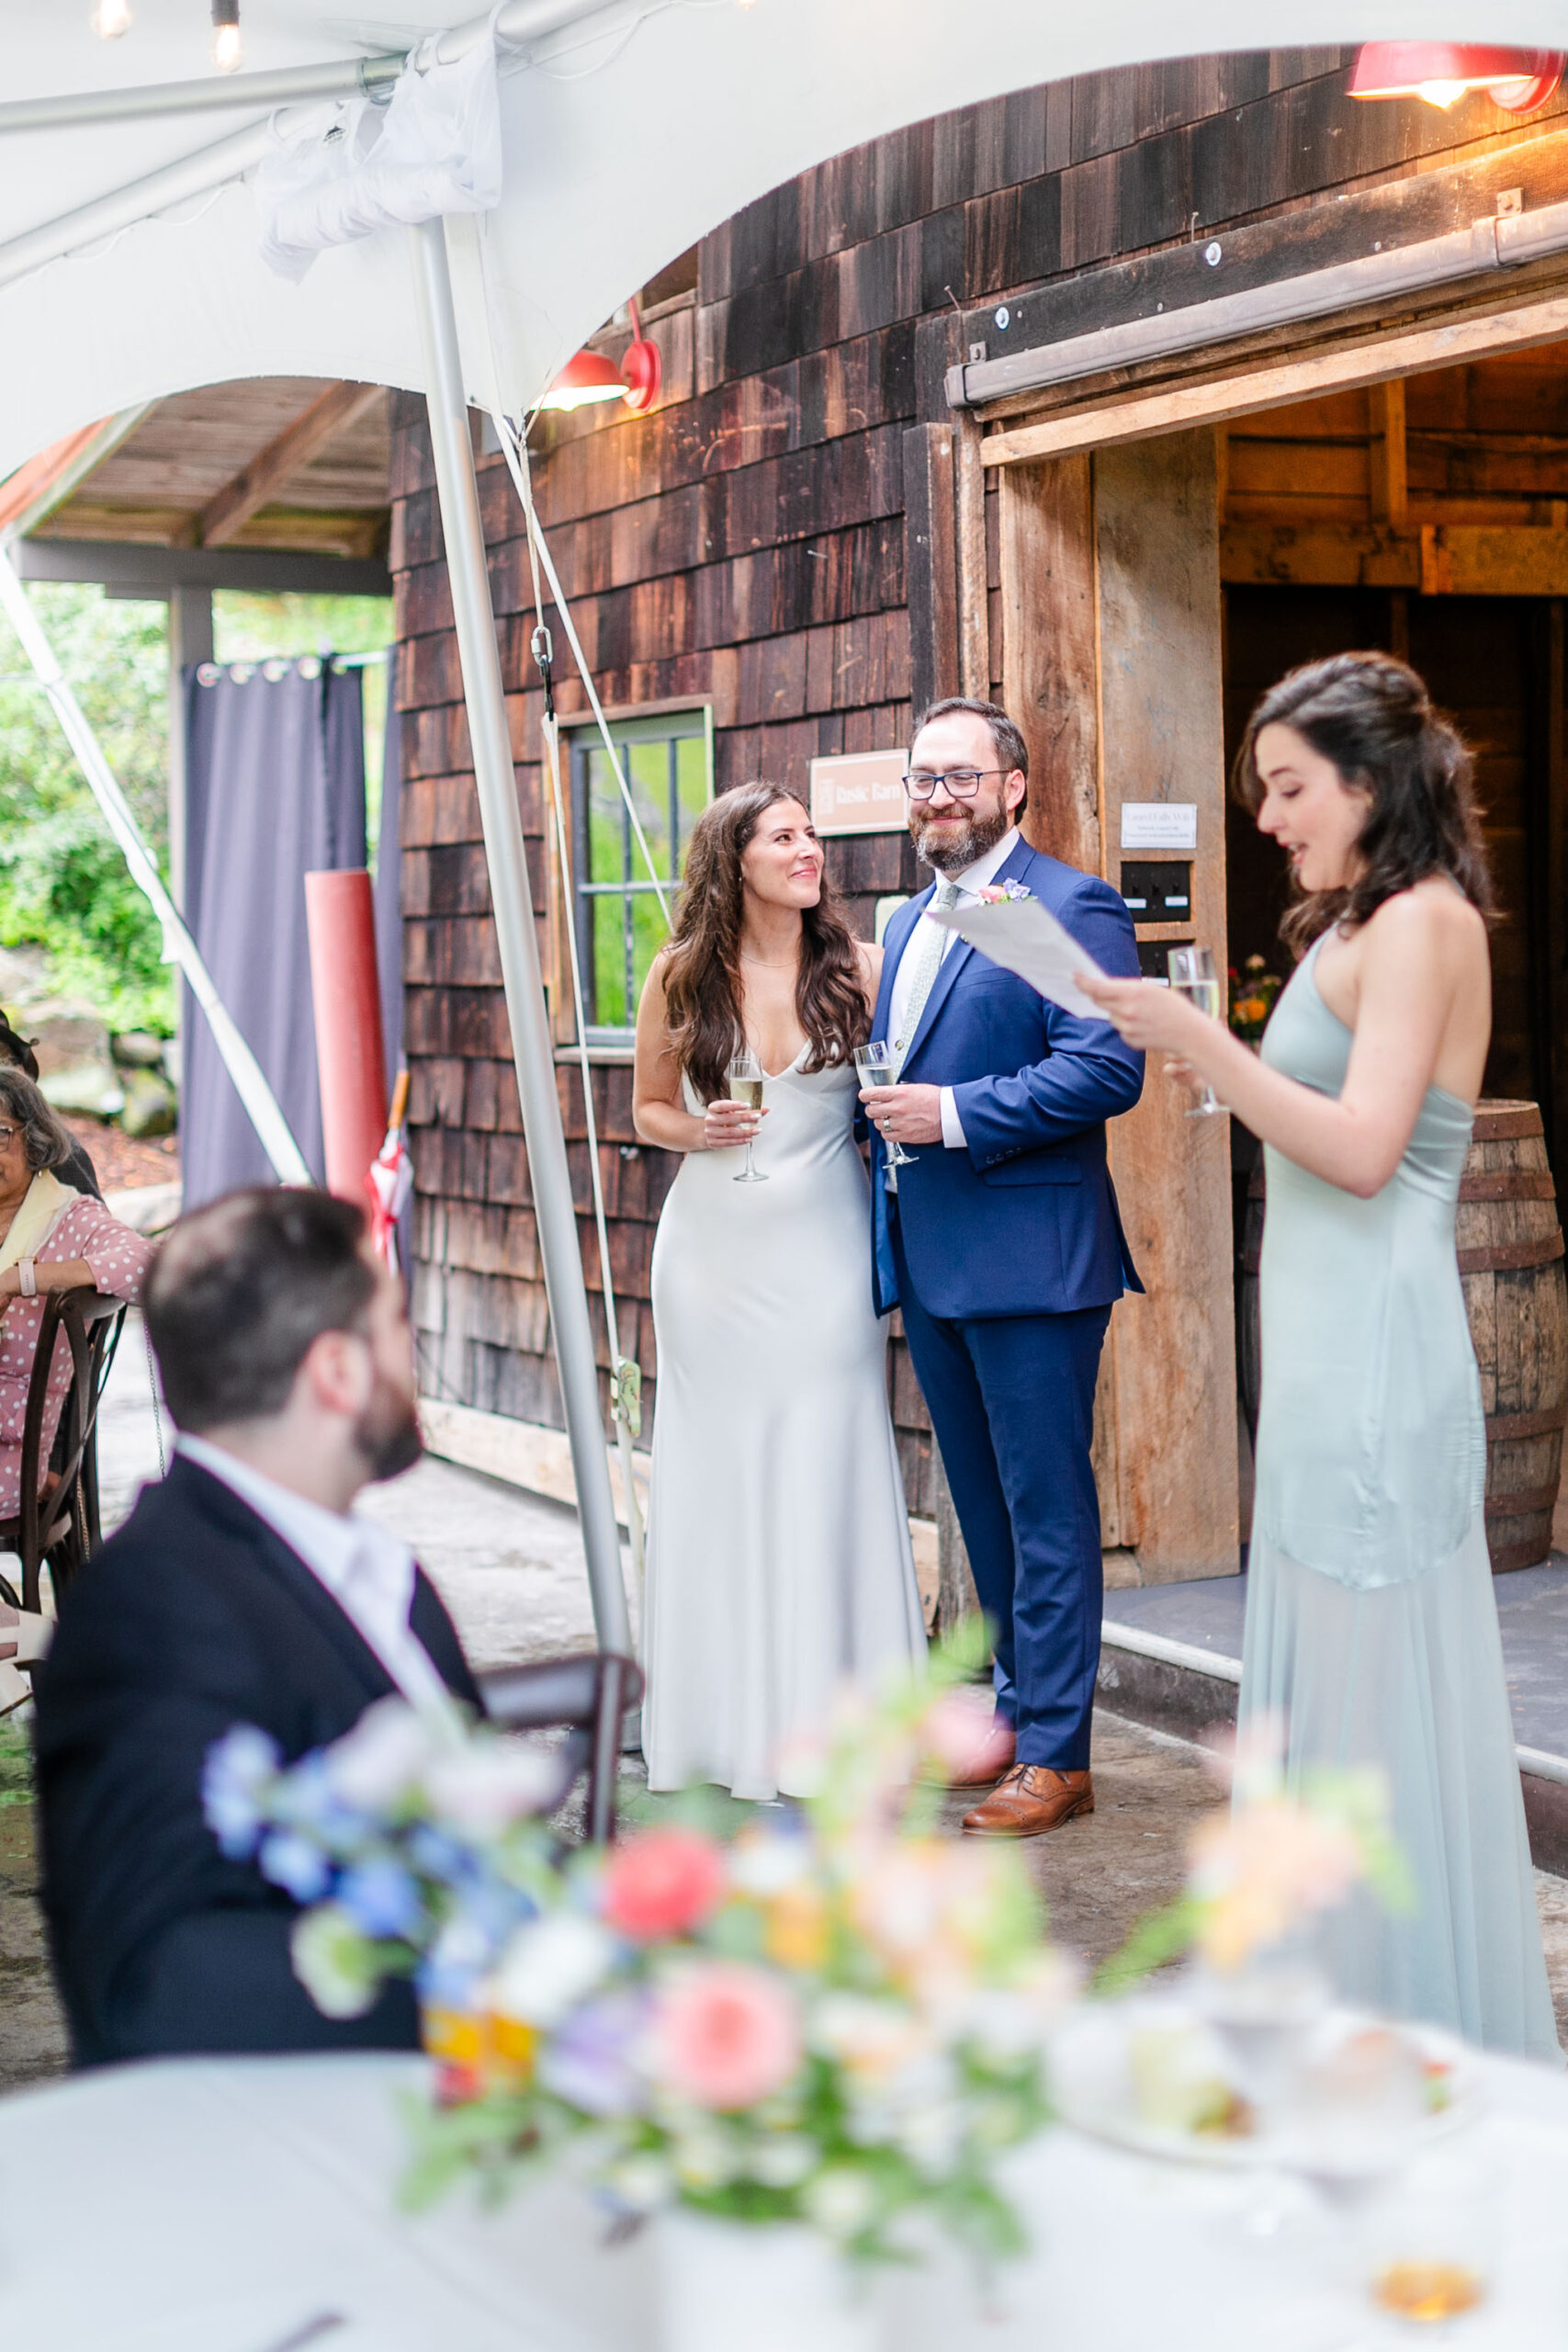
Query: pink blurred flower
point(663, 1883)
point(1262, 1869)
point(726, 2035)
point(960, 1731)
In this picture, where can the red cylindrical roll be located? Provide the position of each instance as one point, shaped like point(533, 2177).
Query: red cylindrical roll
point(339, 914)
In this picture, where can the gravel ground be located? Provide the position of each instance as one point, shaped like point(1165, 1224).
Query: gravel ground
point(511, 1570)
point(120, 1161)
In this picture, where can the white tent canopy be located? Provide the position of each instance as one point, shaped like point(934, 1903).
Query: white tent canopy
point(630, 131)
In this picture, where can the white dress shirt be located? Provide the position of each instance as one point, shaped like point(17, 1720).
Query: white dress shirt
point(969, 884)
point(364, 1568)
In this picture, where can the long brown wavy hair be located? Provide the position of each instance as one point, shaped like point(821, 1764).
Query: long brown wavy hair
point(1373, 718)
point(702, 964)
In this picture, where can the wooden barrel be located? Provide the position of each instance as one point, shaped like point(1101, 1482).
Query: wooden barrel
point(1510, 1260)
point(1511, 1266)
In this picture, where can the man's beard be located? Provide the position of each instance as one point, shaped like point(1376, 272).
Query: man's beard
point(386, 1432)
point(960, 849)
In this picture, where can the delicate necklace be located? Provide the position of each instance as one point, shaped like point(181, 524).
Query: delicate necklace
point(767, 965)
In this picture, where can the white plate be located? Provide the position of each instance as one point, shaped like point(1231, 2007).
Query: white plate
point(1091, 2084)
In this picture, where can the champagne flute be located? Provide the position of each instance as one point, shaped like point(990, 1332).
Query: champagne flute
point(744, 1075)
point(876, 1067)
point(1192, 974)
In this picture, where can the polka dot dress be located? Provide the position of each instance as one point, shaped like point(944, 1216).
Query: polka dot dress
point(120, 1260)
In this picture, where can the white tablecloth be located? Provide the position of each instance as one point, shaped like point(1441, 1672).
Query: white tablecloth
point(214, 2206)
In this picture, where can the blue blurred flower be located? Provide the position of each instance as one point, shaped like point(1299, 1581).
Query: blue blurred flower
point(495, 1909)
point(293, 1863)
point(307, 1800)
point(233, 1780)
point(380, 1897)
point(435, 1855)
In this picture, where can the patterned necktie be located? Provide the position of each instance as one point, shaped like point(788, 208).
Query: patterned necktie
point(927, 966)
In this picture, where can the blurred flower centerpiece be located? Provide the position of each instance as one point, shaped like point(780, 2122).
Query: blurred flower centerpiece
point(823, 2034)
point(1263, 1876)
point(1252, 993)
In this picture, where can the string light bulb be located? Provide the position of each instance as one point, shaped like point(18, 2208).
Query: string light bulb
point(228, 54)
point(109, 18)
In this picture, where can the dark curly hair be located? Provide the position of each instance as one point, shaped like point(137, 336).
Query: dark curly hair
point(701, 970)
point(1372, 717)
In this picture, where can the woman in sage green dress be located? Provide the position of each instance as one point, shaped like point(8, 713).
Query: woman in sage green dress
point(1372, 1627)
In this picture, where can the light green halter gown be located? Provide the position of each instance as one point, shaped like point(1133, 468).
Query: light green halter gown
point(1371, 1623)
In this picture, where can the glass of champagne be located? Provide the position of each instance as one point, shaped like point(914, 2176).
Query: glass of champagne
point(1192, 974)
point(877, 1066)
point(745, 1080)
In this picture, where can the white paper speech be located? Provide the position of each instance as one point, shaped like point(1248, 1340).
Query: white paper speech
point(1026, 938)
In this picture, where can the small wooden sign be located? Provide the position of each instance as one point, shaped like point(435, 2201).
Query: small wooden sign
point(1159, 824)
point(860, 792)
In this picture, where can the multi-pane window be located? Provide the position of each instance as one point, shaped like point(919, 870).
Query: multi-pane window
point(667, 759)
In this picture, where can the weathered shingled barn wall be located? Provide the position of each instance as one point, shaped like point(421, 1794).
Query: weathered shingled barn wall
point(747, 543)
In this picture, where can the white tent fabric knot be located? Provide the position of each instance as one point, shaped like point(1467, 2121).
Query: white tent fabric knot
point(342, 171)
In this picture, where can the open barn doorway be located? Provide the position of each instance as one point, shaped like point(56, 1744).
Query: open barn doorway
point(1427, 518)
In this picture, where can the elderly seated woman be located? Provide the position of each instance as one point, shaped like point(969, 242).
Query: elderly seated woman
point(51, 1238)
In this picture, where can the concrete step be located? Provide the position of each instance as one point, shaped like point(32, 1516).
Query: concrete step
point(1170, 1658)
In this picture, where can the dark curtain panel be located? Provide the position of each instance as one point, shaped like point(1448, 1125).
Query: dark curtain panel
point(275, 789)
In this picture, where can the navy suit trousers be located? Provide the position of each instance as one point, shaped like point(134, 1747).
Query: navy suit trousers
point(1011, 1399)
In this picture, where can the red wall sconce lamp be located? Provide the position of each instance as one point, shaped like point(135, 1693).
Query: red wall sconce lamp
point(590, 377)
point(1517, 80)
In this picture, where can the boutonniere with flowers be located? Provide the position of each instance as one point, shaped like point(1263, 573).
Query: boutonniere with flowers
point(992, 893)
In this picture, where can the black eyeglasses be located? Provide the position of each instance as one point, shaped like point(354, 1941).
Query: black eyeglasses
point(962, 783)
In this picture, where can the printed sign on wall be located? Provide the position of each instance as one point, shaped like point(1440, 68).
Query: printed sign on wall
point(1159, 824)
point(859, 792)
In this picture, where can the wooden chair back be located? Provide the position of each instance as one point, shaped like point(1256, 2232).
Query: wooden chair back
point(587, 1696)
point(62, 1526)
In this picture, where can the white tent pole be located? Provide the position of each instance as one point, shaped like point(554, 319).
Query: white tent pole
point(518, 22)
point(226, 159)
point(512, 901)
point(179, 948)
point(290, 85)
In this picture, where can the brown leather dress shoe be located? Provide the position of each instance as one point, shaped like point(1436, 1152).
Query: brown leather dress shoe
point(1032, 1799)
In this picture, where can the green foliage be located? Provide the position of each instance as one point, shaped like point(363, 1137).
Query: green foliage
point(63, 880)
point(15, 1765)
point(1158, 1937)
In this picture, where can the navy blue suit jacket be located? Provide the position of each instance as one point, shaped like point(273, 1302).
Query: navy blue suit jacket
point(1024, 1220)
point(195, 1616)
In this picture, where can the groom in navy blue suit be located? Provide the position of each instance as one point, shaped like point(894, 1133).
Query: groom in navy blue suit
point(1001, 1243)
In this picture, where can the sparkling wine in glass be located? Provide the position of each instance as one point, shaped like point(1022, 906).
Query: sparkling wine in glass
point(744, 1076)
point(877, 1066)
point(1192, 974)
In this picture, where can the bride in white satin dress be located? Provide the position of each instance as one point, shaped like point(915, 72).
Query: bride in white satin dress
point(778, 1544)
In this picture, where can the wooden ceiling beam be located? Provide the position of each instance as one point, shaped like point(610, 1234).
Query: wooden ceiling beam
point(272, 467)
point(1390, 479)
point(1438, 560)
